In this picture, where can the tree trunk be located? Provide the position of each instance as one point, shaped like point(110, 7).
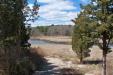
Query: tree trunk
point(105, 49)
point(104, 64)
point(81, 57)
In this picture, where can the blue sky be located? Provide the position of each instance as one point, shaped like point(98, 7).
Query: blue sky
point(57, 11)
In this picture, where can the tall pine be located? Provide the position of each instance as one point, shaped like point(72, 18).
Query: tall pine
point(100, 12)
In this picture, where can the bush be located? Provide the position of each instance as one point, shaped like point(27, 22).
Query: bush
point(22, 67)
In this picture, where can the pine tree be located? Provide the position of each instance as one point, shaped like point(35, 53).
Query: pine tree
point(100, 12)
point(81, 41)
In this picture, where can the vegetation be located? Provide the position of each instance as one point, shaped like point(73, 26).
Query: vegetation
point(102, 16)
point(99, 12)
point(22, 67)
point(94, 25)
point(14, 36)
point(81, 38)
point(43, 29)
point(53, 30)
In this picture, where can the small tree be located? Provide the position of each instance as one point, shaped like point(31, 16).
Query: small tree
point(81, 40)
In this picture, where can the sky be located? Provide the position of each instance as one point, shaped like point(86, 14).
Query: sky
point(57, 11)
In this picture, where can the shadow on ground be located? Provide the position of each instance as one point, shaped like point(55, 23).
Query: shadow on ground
point(42, 65)
point(70, 71)
point(92, 62)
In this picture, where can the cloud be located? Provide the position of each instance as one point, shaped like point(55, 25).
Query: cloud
point(30, 5)
point(56, 12)
point(57, 5)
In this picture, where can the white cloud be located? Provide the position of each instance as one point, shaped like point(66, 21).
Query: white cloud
point(30, 5)
point(56, 12)
point(57, 5)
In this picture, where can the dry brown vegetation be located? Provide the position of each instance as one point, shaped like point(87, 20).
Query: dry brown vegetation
point(92, 65)
point(55, 39)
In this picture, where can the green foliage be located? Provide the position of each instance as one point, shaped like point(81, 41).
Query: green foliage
point(25, 36)
point(102, 20)
point(81, 39)
point(22, 67)
point(14, 36)
point(100, 12)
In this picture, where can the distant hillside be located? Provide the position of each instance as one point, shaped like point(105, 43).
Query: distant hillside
point(53, 30)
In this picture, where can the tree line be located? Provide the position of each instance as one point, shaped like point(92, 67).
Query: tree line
point(52, 30)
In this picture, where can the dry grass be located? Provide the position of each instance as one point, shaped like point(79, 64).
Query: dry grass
point(65, 39)
point(38, 51)
point(56, 49)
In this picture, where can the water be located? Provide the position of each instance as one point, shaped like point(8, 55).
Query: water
point(38, 42)
point(111, 46)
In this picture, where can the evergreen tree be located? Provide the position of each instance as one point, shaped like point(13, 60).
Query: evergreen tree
point(14, 36)
point(10, 29)
point(81, 40)
point(100, 12)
